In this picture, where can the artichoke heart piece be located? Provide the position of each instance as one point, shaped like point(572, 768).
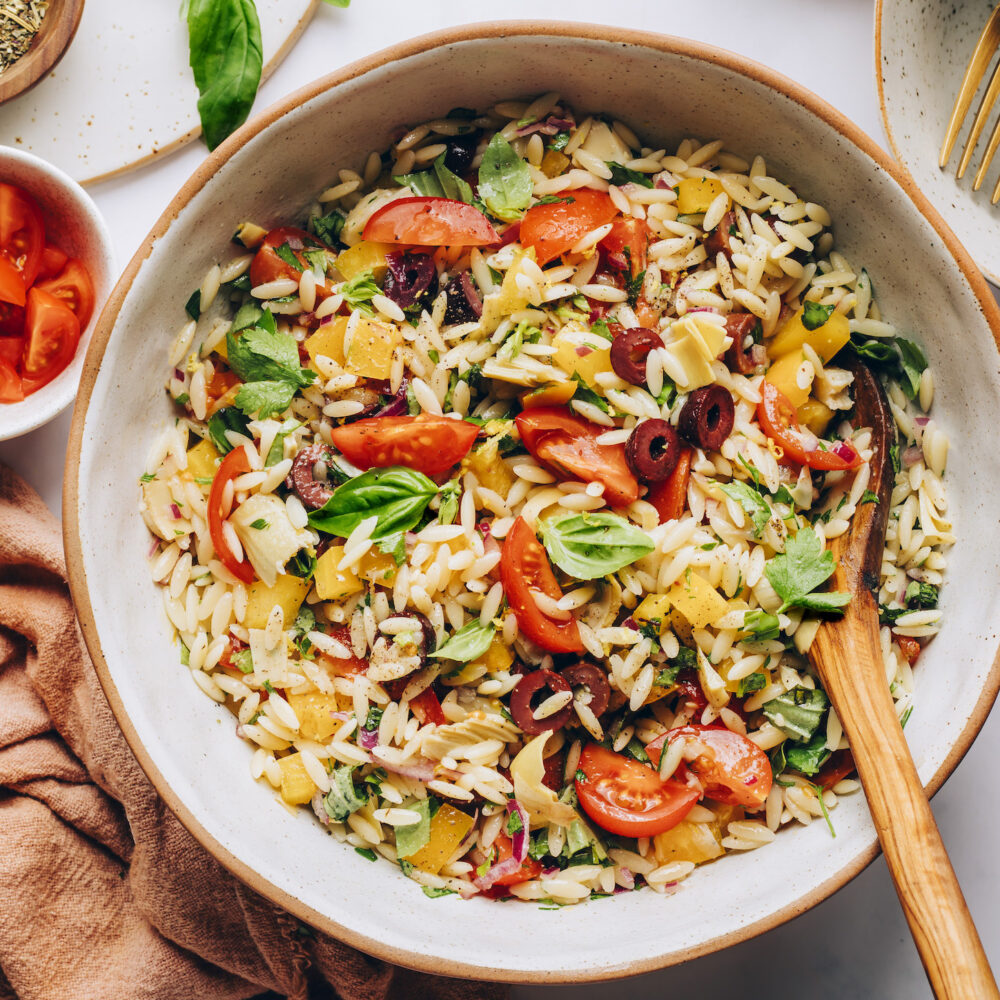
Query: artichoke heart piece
point(267, 534)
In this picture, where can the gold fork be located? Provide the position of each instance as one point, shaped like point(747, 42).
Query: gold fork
point(986, 48)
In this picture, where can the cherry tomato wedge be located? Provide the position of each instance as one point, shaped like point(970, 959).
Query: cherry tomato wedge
point(567, 446)
point(53, 261)
point(11, 320)
point(524, 567)
point(233, 465)
point(838, 767)
point(626, 244)
point(553, 229)
point(428, 443)
point(52, 332)
point(908, 646)
point(780, 422)
point(73, 287)
point(670, 497)
point(628, 798)
point(12, 350)
point(10, 384)
point(344, 667)
point(22, 231)
point(426, 708)
point(530, 868)
point(273, 260)
point(430, 222)
point(12, 288)
point(733, 769)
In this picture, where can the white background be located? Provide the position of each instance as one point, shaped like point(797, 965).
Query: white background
point(857, 943)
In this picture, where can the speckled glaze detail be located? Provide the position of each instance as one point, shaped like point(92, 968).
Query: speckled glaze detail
point(78, 228)
point(926, 282)
point(921, 51)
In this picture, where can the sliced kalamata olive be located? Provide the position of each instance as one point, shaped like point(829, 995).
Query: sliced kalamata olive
point(302, 479)
point(539, 681)
point(428, 638)
point(707, 417)
point(652, 451)
point(628, 353)
point(461, 151)
point(464, 304)
point(594, 679)
point(717, 240)
point(740, 355)
point(411, 279)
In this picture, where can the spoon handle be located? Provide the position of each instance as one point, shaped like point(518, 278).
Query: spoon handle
point(849, 657)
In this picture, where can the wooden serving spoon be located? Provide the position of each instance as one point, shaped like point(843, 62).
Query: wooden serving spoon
point(848, 657)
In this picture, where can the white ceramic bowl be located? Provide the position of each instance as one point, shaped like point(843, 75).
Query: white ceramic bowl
point(74, 224)
point(921, 51)
point(665, 89)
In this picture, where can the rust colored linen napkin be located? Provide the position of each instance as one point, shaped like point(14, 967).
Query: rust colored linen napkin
point(103, 893)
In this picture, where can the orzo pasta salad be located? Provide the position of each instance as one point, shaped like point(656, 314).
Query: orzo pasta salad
point(498, 502)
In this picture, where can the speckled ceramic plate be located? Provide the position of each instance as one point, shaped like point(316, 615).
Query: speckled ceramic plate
point(921, 51)
point(665, 89)
point(124, 92)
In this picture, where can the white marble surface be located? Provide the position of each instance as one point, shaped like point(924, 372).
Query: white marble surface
point(857, 943)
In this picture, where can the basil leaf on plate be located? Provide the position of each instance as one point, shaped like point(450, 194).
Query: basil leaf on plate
point(504, 180)
point(797, 713)
point(438, 182)
point(343, 798)
point(468, 643)
point(409, 839)
point(589, 546)
point(807, 758)
point(226, 61)
point(397, 496)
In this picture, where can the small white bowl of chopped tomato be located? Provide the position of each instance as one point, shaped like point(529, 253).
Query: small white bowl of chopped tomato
point(56, 269)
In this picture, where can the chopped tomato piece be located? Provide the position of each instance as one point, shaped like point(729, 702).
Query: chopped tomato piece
point(12, 288)
point(908, 646)
point(426, 708)
point(524, 567)
point(22, 232)
point(428, 443)
point(530, 868)
point(52, 332)
point(233, 465)
point(567, 446)
point(53, 261)
point(838, 767)
point(733, 769)
point(554, 228)
point(273, 260)
point(626, 245)
point(670, 497)
point(12, 350)
point(73, 287)
point(780, 422)
point(10, 384)
point(430, 222)
point(628, 798)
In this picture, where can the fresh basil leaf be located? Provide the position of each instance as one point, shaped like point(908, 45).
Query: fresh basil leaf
point(397, 496)
point(760, 625)
point(751, 502)
point(327, 227)
point(438, 182)
point(226, 419)
point(803, 566)
point(367, 853)
point(913, 362)
point(558, 141)
point(193, 305)
point(504, 180)
point(637, 751)
point(344, 798)
point(276, 452)
point(249, 314)
point(226, 61)
point(807, 758)
point(814, 315)
point(621, 174)
point(592, 545)
point(244, 661)
point(395, 546)
point(879, 352)
point(429, 891)
point(888, 616)
point(601, 328)
point(751, 683)
point(587, 395)
point(302, 564)
point(451, 492)
point(409, 839)
point(797, 713)
point(359, 291)
point(288, 256)
point(921, 595)
point(468, 643)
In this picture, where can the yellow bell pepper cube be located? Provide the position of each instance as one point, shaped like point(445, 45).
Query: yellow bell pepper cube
point(364, 256)
point(371, 350)
point(825, 340)
point(314, 713)
point(378, 567)
point(203, 460)
point(653, 606)
point(249, 235)
point(289, 591)
point(695, 194)
point(485, 464)
point(497, 657)
point(815, 415)
point(554, 163)
point(695, 842)
point(697, 600)
point(582, 353)
point(334, 584)
point(328, 340)
point(297, 787)
point(788, 375)
point(449, 827)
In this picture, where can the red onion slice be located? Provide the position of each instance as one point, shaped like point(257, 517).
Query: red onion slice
point(509, 866)
point(368, 738)
point(519, 840)
point(421, 770)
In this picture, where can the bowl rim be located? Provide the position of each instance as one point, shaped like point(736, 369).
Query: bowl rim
point(669, 44)
point(880, 8)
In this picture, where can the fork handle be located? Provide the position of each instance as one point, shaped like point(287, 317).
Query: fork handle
point(849, 659)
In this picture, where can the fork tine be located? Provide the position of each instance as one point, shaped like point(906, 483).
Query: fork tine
point(982, 116)
point(991, 149)
point(988, 42)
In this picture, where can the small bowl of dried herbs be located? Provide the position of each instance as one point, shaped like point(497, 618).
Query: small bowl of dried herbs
point(34, 34)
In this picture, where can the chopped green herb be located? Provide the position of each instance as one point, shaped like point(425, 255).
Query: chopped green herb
point(193, 305)
point(808, 758)
point(587, 395)
point(359, 291)
point(409, 839)
point(327, 227)
point(751, 501)
point(468, 643)
point(344, 798)
point(148, 477)
point(797, 713)
point(624, 175)
point(760, 625)
point(514, 823)
point(431, 893)
point(921, 595)
point(814, 315)
point(803, 566)
point(286, 253)
point(438, 182)
point(243, 661)
point(868, 497)
point(367, 853)
point(637, 751)
point(505, 182)
point(260, 524)
point(751, 683)
point(592, 545)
